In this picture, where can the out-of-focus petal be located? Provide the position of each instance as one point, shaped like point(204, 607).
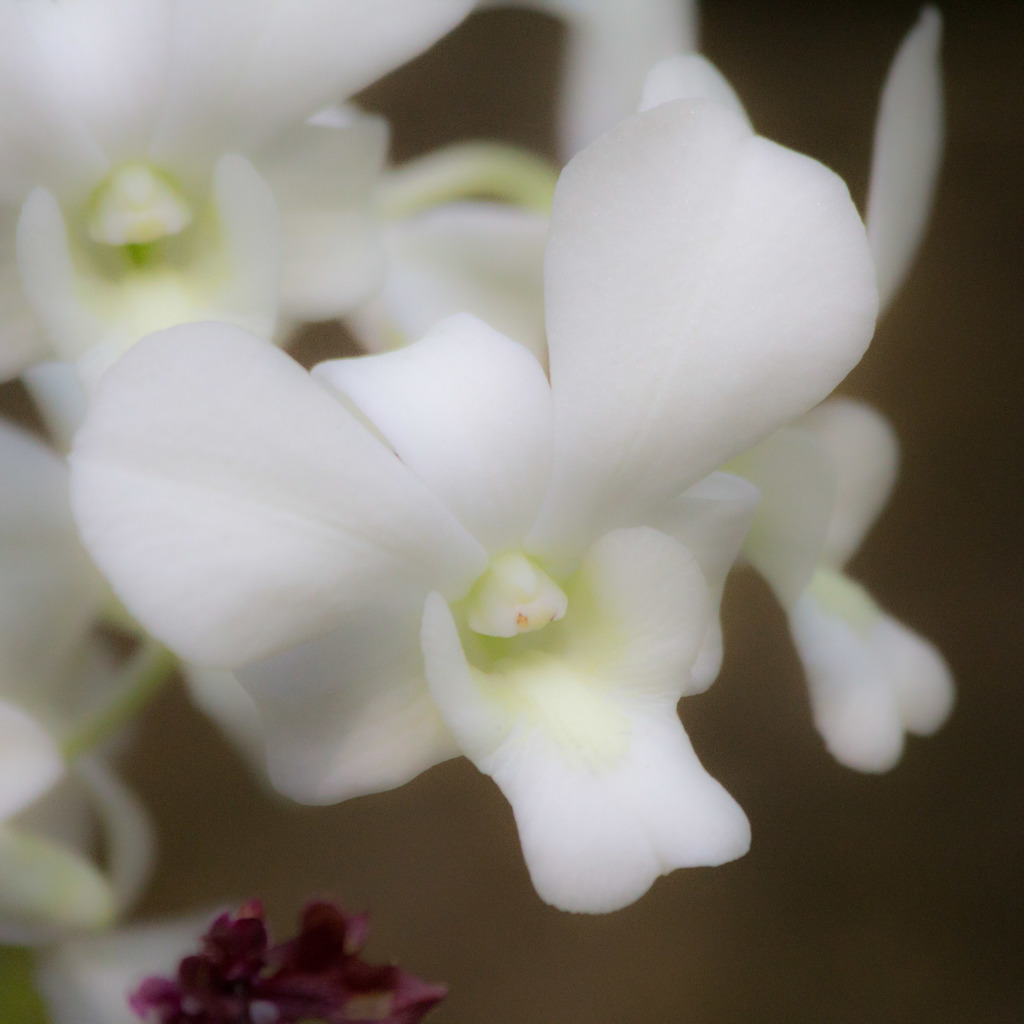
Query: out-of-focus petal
point(46, 888)
point(703, 287)
point(871, 679)
point(107, 59)
point(797, 479)
point(610, 48)
point(349, 713)
point(586, 744)
point(480, 258)
point(689, 76)
point(219, 695)
point(711, 520)
point(129, 841)
point(242, 70)
point(87, 979)
point(238, 509)
point(50, 592)
point(864, 451)
point(42, 138)
point(469, 412)
point(907, 153)
point(323, 175)
point(30, 762)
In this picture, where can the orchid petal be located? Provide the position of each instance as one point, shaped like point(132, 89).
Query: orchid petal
point(711, 520)
point(480, 258)
point(50, 593)
point(222, 698)
point(709, 286)
point(87, 979)
point(587, 745)
point(610, 48)
point(30, 762)
point(689, 76)
point(46, 888)
point(108, 60)
point(243, 70)
point(42, 138)
point(870, 678)
point(907, 153)
point(796, 476)
point(864, 451)
point(322, 176)
point(238, 509)
point(128, 833)
point(469, 412)
point(349, 713)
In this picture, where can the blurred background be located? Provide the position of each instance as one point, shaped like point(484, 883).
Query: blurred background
point(890, 898)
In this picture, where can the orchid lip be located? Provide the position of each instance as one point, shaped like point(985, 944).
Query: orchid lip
point(136, 205)
point(514, 596)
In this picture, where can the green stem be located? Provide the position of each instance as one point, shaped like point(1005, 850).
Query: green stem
point(469, 170)
point(141, 680)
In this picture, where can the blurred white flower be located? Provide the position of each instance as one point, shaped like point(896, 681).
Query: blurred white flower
point(54, 682)
point(156, 153)
point(703, 286)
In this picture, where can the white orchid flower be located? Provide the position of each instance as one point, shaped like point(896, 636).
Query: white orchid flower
point(611, 45)
point(155, 150)
point(871, 679)
point(56, 688)
point(703, 286)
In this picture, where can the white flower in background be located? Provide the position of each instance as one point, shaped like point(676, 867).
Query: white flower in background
point(871, 679)
point(57, 687)
point(154, 151)
point(610, 47)
point(703, 286)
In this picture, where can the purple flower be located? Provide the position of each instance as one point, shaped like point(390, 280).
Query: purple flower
point(238, 977)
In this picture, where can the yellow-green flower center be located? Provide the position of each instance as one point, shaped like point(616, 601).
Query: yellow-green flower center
point(136, 205)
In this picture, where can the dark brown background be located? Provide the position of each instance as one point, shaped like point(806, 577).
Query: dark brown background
point(864, 899)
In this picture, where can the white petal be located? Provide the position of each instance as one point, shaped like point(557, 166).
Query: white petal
point(239, 509)
point(865, 455)
point(709, 286)
point(689, 76)
point(611, 47)
point(42, 138)
point(907, 153)
point(87, 979)
point(243, 70)
point(480, 258)
point(711, 520)
point(323, 177)
point(22, 342)
point(107, 60)
point(855, 708)
point(50, 592)
point(871, 678)
point(30, 762)
point(469, 412)
point(349, 713)
point(129, 840)
point(923, 681)
point(585, 741)
point(797, 479)
point(46, 888)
